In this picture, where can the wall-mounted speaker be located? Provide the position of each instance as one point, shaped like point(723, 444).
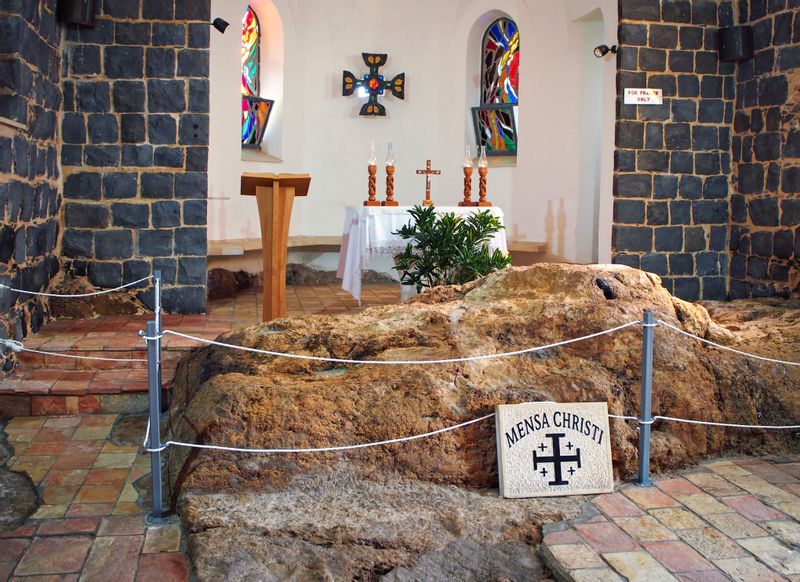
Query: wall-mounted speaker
point(736, 43)
point(76, 12)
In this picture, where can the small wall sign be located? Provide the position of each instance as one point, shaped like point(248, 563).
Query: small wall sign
point(549, 449)
point(643, 97)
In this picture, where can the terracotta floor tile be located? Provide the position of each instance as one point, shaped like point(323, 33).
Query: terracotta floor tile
point(78, 525)
point(605, 537)
point(752, 508)
point(127, 508)
point(98, 494)
point(59, 494)
point(89, 509)
point(616, 505)
point(677, 556)
point(75, 461)
point(171, 567)
point(54, 434)
point(114, 460)
point(24, 531)
point(50, 511)
point(54, 555)
point(107, 476)
point(91, 433)
point(677, 486)
point(113, 558)
point(12, 549)
point(121, 525)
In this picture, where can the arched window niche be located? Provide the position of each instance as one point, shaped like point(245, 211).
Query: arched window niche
point(493, 86)
point(262, 80)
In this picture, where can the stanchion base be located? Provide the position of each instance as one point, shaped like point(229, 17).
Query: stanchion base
point(151, 519)
point(647, 483)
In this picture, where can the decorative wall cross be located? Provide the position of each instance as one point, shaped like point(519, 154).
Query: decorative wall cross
point(428, 173)
point(373, 84)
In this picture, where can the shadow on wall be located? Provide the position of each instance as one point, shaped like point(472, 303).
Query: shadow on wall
point(555, 232)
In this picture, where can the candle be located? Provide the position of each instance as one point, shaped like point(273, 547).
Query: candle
point(468, 158)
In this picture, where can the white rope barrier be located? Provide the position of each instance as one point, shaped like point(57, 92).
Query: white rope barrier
point(397, 362)
point(17, 346)
point(67, 296)
point(722, 347)
point(321, 449)
point(728, 424)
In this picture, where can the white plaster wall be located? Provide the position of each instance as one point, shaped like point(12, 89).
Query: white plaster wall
point(566, 122)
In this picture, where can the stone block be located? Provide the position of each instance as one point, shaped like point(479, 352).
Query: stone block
point(162, 129)
point(77, 243)
point(652, 161)
point(113, 244)
point(681, 163)
point(195, 212)
point(193, 63)
point(790, 180)
point(751, 178)
point(83, 185)
point(783, 244)
point(763, 211)
point(789, 58)
point(135, 33)
point(130, 215)
point(773, 91)
point(629, 260)
point(198, 96)
point(632, 238)
point(193, 10)
point(705, 137)
point(669, 238)
point(101, 155)
point(762, 32)
point(137, 155)
point(129, 96)
point(121, 8)
point(633, 34)
point(652, 60)
point(677, 136)
point(681, 61)
point(782, 29)
point(191, 185)
point(85, 215)
point(132, 129)
point(199, 36)
point(105, 274)
point(193, 129)
point(654, 136)
point(688, 85)
point(160, 63)
point(124, 62)
point(93, 96)
point(103, 128)
point(663, 36)
point(197, 159)
point(657, 213)
point(757, 267)
point(790, 212)
point(135, 270)
point(711, 111)
point(704, 13)
point(166, 214)
point(665, 186)
point(710, 211)
point(654, 263)
point(791, 148)
point(680, 212)
point(681, 264)
point(73, 130)
point(184, 300)
point(630, 134)
point(85, 59)
point(168, 268)
point(684, 110)
point(624, 161)
point(158, 185)
point(747, 94)
point(191, 241)
point(764, 62)
point(169, 34)
point(158, 10)
point(192, 270)
point(166, 96)
point(707, 163)
point(715, 187)
point(629, 211)
point(649, 10)
point(667, 83)
point(761, 243)
point(119, 185)
point(155, 243)
point(655, 112)
point(707, 264)
point(170, 157)
point(694, 239)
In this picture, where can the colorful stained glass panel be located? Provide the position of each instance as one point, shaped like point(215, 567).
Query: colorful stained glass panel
point(500, 69)
point(250, 54)
point(255, 116)
point(496, 129)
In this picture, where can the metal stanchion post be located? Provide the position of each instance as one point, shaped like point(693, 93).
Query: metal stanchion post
point(157, 312)
point(154, 391)
point(646, 415)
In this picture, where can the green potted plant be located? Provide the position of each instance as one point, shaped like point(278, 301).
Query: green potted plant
point(447, 249)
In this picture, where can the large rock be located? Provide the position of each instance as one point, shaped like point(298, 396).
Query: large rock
point(241, 399)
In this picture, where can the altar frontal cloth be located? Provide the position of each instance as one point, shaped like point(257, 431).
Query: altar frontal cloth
point(547, 449)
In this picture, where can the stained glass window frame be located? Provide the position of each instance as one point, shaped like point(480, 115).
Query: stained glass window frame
point(484, 85)
point(478, 120)
point(257, 67)
point(251, 99)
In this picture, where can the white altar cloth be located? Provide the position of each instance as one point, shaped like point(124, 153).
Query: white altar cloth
point(368, 232)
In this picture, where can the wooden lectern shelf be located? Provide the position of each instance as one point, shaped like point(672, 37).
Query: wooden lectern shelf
point(275, 196)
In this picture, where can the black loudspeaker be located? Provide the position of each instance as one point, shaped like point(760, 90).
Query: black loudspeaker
point(76, 12)
point(736, 43)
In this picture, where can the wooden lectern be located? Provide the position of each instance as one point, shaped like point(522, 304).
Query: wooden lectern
point(275, 194)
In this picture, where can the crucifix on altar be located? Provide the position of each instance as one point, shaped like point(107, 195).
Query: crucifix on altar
point(428, 173)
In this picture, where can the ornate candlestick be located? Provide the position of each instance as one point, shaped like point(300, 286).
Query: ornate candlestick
point(373, 170)
point(483, 169)
point(390, 201)
point(467, 201)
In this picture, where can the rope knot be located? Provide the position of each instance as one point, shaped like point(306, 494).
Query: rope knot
point(14, 345)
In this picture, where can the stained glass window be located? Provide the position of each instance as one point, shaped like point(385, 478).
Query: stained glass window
point(255, 110)
point(500, 64)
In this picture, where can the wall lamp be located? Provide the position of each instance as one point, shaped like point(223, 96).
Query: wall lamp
point(221, 25)
point(603, 50)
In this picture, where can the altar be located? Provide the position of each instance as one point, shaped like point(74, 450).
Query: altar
point(368, 232)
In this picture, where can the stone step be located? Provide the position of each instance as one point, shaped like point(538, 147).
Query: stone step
point(38, 392)
point(132, 359)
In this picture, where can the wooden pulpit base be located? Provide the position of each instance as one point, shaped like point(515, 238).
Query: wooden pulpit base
point(275, 196)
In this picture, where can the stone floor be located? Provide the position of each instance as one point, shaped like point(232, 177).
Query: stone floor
point(725, 520)
point(91, 522)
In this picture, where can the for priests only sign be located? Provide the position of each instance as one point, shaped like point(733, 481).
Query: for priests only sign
point(548, 449)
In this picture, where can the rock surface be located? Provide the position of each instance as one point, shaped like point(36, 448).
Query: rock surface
point(117, 303)
point(18, 498)
point(223, 283)
point(241, 399)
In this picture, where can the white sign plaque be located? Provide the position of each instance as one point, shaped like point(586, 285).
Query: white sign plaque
point(547, 449)
point(643, 97)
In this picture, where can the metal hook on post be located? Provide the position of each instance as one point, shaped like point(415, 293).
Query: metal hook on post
point(645, 416)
